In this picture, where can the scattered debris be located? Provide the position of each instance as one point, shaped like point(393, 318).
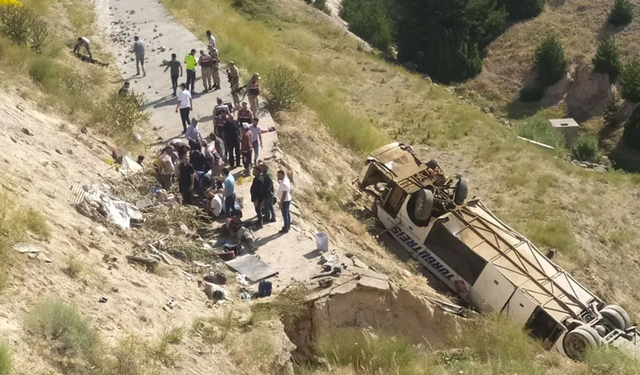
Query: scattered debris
point(26, 248)
point(102, 300)
point(150, 263)
point(254, 268)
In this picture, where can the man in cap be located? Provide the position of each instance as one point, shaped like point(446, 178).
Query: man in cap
point(206, 63)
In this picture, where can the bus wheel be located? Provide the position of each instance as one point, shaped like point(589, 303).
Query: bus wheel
point(621, 312)
point(578, 341)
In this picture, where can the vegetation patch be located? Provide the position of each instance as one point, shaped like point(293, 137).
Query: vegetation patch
point(5, 360)
point(370, 20)
point(621, 13)
point(607, 59)
point(550, 62)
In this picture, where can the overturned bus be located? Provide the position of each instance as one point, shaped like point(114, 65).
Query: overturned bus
point(488, 264)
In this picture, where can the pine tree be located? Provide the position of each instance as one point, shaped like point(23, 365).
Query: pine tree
point(523, 9)
point(630, 81)
point(607, 59)
point(621, 13)
point(551, 64)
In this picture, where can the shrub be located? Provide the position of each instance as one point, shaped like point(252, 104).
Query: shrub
point(23, 26)
point(531, 93)
point(621, 13)
point(631, 135)
point(607, 59)
point(122, 113)
point(369, 20)
point(551, 64)
point(630, 81)
point(523, 9)
point(48, 73)
point(284, 87)
point(74, 267)
point(610, 114)
point(586, 148)
point(72, 336)
point(5, 360)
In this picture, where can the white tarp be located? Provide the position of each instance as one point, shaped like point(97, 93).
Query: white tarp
point(129, 166)
point(117, 212)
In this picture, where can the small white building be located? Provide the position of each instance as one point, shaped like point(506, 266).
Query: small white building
point(568, 127)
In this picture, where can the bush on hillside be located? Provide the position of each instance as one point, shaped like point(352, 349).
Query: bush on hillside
point(538, 129)
point(123, 113)
point(630, 81)
point(551, 65)
point(533, 93)
point(369, 20)
point(523, 9)
point(69, 333)
point(631, 135)
point(23, 27)
point(586, 148)
point(607, 59)
point(284, 87)
point(5, 360)
point(621, 13)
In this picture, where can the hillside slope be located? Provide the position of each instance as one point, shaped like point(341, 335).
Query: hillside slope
point(578, 23)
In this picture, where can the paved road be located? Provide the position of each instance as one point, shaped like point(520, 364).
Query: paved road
point(292, 254)
point(149, 20)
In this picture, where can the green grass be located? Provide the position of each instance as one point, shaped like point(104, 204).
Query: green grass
point(69, 333)
point(539, 129)
point(5, 360)
point(554, 234)
point(215, 330)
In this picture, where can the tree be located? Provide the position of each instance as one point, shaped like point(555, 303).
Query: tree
point(551, 64)
point(607, 59)
point(523, 9)
point(369, 20)
point(631, 135)
point(630, 81)
point(621, 13)
point(446, 39)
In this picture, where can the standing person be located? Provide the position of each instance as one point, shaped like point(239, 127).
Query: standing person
point(190, 62)
point(193, 135)
point(138, 49)
point(176, 70)
point(83, 42)
point(229, 185)
point(284, 200)
point(220, 112)
point(269, 212)
point(257, 194)
point(219, 145)
point(166, 168)
point(211, 39)
point(256, 137)
point(244, 114)
point(254, 92)
point(234, 81)
point(232, 141)
point(215, 70)
point(185, 105)
point(206, 64)
point(246, 146)
point(186, 180)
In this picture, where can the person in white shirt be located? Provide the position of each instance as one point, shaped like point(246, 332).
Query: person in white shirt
point(185, 105)
point(215, 203)
point(83, 42)
point(256, 133)
point(212, 40)
point(284, 200)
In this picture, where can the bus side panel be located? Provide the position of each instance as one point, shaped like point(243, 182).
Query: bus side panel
point(520, 307)
point(492, 290)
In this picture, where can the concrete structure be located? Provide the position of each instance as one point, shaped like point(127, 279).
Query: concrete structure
point(568, 127)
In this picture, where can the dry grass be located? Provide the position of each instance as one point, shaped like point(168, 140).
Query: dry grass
point(73, 267)
point(5, 360)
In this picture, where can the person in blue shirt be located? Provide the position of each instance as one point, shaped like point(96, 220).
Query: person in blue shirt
point(229, 185)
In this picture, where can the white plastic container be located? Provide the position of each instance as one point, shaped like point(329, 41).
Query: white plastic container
point(322, 242)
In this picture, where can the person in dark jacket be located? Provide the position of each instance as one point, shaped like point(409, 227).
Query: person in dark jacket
point(231, 131)
point(257, 194)
point(187, 180)
point(269, 192)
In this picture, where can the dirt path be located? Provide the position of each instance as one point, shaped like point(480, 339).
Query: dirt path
point(148, 19)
